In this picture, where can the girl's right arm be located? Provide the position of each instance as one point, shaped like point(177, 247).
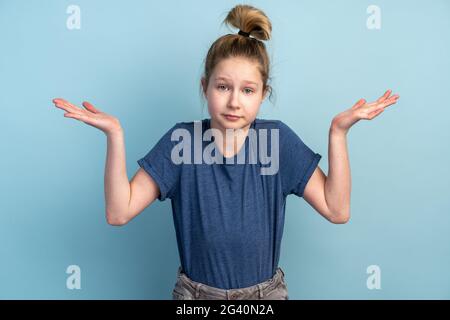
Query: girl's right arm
point(124, 200)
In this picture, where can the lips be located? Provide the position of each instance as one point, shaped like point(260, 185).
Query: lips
point(232, 116)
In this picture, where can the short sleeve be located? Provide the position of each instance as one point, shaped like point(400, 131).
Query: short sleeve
point(159, 165)
point(297, 161)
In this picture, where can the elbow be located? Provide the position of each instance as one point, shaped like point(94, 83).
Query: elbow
point(340, 218)
point(115, 221)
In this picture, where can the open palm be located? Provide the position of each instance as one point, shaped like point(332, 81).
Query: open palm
point(91, 116)
point(363, 110)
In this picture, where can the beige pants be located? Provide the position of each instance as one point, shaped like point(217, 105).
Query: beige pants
point(272, 289)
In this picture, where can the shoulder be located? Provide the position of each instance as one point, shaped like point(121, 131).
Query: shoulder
point(190, 125)
point(285, 132)
point(183, 127)
point(267, 123)
point(272, 124)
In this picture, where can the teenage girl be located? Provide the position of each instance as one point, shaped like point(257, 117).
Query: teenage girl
point(229, 217)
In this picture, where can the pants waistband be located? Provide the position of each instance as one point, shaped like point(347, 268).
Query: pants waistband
point(230, 293)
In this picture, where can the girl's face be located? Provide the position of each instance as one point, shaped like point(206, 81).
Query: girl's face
point(235, 88)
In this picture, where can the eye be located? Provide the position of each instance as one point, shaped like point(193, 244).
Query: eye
point(220, 86)
point(251, 91)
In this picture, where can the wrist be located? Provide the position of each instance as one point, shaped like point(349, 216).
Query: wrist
point(337, 131)
point(114, 132)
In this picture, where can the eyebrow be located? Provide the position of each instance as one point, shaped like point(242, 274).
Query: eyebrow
point(224, 78)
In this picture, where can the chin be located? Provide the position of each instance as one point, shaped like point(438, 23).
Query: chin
point(234, 124)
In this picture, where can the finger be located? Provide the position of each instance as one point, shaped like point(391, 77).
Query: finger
point(395, 97)
point(392, 100)
point(69, 107)
point(63, 106)
point(90, 107)
point(77, 116)
point(359, 103)
point(375, 113)
point(59, 102)
point(381, 106)
point(73, 115)
point(375, 107)
point(385, 95)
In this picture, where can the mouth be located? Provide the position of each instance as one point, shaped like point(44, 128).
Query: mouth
point(231, 117)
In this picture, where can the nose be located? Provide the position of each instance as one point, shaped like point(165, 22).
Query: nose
point(234, 101)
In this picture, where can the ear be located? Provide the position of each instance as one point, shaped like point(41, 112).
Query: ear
point(203, 82)
point(265, 92)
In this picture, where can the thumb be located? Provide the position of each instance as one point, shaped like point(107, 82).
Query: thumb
point(358, 104)
point(90, 107)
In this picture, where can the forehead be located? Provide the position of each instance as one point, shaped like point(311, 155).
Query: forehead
point(237, 69)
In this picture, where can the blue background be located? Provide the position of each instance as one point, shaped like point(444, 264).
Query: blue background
point(141, 61)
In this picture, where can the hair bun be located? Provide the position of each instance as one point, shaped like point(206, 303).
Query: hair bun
point(250, 20)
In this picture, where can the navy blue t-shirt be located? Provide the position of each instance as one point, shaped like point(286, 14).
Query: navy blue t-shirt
point(229, 217)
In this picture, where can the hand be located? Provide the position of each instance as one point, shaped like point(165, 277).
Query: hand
point(91, 116)
point(362, 110)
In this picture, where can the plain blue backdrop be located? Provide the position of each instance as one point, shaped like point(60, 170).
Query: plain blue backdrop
point(141, 61)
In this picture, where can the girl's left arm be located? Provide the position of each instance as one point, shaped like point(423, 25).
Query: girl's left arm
point(330, 196)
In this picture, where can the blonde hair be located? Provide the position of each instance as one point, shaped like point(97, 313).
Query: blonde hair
point(250, 20)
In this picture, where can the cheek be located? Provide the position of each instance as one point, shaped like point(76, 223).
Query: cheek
point(214, 106)
point(254, 108)
point(216, 102)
